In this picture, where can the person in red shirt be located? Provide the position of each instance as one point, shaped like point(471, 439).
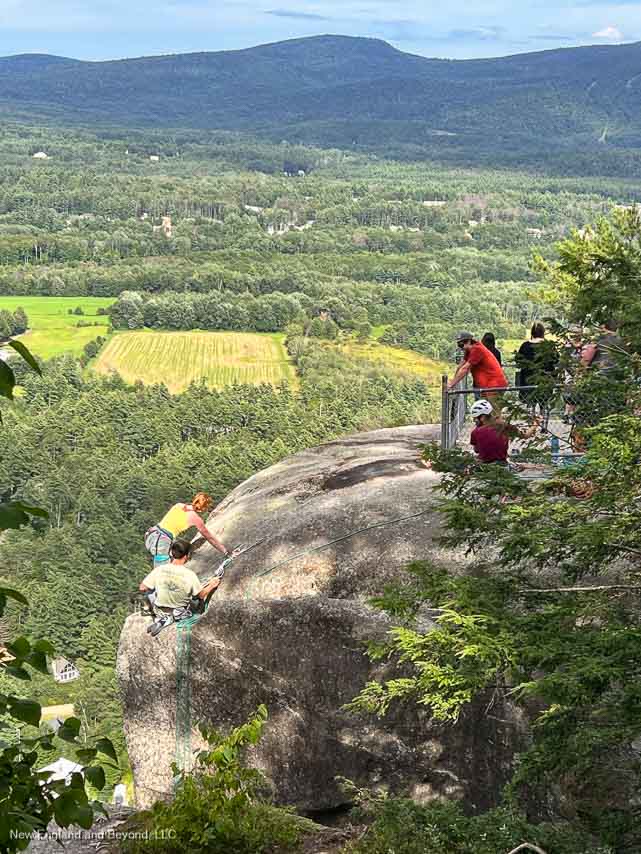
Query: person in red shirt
point(480, 362)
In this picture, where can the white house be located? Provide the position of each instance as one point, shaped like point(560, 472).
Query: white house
point(40, 155)
point(61, 769)
point(63, 670)
point(154, 158)
point(120, 795)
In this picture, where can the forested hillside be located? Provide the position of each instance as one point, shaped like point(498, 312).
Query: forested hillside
point(576, 110)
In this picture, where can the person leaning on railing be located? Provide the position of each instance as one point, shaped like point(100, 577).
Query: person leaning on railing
point(483, 365)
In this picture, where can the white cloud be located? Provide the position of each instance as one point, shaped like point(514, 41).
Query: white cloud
point(610, 34)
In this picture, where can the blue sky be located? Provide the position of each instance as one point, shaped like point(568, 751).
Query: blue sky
point(105, 29)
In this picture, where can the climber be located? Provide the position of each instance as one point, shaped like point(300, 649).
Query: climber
point(173, 591)
point(482, 364)
point(176, 521)
point(491, 436)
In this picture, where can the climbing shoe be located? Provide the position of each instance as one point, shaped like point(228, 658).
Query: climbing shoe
point(158, 625)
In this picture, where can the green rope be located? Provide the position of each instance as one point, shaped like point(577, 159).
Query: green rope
point(183, 694)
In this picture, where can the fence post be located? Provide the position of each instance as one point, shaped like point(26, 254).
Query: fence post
point(445, 415)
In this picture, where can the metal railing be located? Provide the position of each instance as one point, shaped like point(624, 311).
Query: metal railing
point(453, 410)
point(454, 403)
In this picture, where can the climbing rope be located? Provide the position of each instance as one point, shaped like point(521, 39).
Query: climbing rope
point(327, 545)
point(184, 631)
point(183, 695)
point(184, 628)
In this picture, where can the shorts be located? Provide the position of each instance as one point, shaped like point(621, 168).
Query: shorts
point(158, 542)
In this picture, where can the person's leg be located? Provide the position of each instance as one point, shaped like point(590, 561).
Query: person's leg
point(158, 543)
point(162, 549)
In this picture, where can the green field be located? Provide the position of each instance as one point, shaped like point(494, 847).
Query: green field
point(407, 361)
point(52, 330)
point(179, 358)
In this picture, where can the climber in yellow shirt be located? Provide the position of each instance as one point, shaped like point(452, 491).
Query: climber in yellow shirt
point(177, 519)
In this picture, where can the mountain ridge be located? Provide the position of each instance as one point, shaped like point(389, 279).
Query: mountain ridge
point(321, 90)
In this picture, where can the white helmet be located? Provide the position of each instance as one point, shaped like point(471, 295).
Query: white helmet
point(481, 407)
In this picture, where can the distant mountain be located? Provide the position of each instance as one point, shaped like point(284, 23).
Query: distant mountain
point(347, 91)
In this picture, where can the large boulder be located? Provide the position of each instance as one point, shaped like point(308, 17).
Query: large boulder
point(288, 628)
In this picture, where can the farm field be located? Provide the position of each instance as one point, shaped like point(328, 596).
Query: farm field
point(394, 358)
point(52, 330)
point(179, 358)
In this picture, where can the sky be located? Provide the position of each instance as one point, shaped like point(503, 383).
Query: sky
point(457, 29)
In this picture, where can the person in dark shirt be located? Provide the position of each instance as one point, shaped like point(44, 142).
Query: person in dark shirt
point(489, 438)
point(489, 341)
point(536, 359)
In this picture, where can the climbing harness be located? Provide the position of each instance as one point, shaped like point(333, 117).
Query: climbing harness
point(197, 607)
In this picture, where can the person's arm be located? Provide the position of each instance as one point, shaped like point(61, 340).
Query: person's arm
point(462, 371)
point(148, 583)
point(194, 519)
point(587, 355)
point(209, 587)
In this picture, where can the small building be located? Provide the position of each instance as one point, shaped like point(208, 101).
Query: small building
point(40, 155)
point(120, 795)
point(63, 670)
point(534, 232)
point(61, 769)
point(154, 158)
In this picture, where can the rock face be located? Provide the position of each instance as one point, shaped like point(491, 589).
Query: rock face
point(292, 635)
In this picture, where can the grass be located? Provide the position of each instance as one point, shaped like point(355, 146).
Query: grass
point(52, 330)
point(179, 358)
point(62, 711)
point(394, 358)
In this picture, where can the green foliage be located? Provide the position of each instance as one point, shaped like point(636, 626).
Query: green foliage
point(404, 827)
point(597, 274)
point(29, 800)
point(218, 808)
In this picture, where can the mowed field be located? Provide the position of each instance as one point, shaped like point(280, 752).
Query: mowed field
point(396, 359)
point(52, 330)
point(179, 358)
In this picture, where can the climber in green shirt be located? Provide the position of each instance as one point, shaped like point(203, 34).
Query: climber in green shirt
point(172, 585)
